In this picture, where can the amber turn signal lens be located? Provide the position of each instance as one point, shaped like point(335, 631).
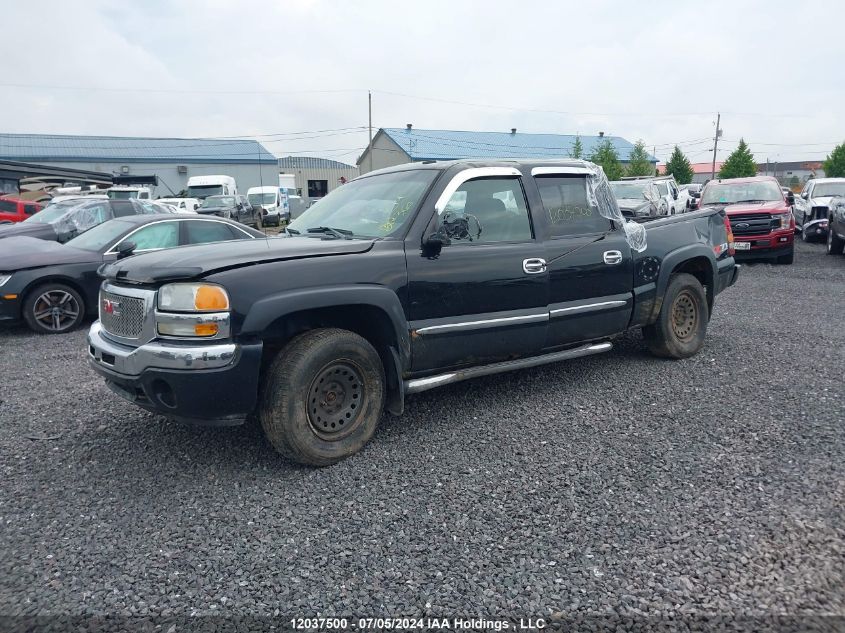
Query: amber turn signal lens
point(205, 329)
point(211, 298)
point(10, 297)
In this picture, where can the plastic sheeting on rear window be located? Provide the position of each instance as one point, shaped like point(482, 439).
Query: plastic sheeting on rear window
point(598, 190)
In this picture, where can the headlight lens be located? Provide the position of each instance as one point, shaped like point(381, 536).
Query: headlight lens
point(784, 219)
point(193, 297)
point(4, 277)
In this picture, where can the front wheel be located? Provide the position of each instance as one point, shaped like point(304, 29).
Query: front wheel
point(834, 242)
point(682, 324)
point(323, 396)
point(788, 258)
point(53, 308)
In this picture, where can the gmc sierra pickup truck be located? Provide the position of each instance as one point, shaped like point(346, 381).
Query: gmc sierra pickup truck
point(402, 280)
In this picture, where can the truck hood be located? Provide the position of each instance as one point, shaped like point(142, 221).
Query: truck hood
point(19, 253)
point(774, 206)
point(189, 262)
point(32, 229)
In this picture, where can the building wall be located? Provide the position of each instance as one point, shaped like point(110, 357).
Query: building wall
point(386, 153)
point(332, 177)
point(171, 182)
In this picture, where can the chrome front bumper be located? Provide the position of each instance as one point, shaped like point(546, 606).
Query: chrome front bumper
point(132, 361)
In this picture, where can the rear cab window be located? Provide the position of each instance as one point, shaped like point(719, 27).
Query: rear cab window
point(567, 207)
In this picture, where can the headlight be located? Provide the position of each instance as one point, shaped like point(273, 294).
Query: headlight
point(785, 220)
point(4, 277)
point(193, 297)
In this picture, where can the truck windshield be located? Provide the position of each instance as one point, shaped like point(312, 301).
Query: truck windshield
point(627, 190)
point(203, 191)
point(734, 192)
point(374, 206)
point(261, 198)
point(218, 201)
point(824, 189)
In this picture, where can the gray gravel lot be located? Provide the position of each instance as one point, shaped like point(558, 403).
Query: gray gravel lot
point(617, 483)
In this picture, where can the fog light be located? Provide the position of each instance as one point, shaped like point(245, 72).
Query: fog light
point(205, 329)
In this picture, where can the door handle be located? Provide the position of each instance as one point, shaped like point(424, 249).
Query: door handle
point(534, 265)
point(612, 257)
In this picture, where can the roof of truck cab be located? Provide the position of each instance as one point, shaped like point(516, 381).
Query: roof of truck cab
point(443, 165)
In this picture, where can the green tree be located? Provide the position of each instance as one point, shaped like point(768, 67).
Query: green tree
point(834, 165)
point(606, 157)
point(639, 162)
point(794, 182)
point(740, 164)
point(577, 150)
point(679, 167)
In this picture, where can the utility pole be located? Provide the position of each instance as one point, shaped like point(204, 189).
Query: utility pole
point(370, 109)
point(716, 145)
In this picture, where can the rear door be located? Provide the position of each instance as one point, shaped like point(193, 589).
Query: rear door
point(589, 261)
point(484, 296)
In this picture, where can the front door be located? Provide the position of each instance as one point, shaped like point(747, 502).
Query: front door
point(589, 263)
point(483, 297)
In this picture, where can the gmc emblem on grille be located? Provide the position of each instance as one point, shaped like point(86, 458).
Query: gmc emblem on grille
point(742, 225)
point(111, 307)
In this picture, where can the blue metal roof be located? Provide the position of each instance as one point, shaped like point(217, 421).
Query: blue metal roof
point(451, 144)
point(64, 148)
point(311, 162)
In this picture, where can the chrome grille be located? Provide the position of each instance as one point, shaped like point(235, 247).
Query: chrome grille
point(121, 315)
point(752, 223)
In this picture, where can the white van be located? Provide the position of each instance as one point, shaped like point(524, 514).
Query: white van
point(274, 200)
point(185, 205)
point(203, 186)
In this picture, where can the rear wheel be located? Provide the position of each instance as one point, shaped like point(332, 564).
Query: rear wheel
point(53, 308)
point(323, 396)
point(682, 324)
point(834, 242)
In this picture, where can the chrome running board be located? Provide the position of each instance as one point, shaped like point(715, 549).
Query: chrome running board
point(424, 384)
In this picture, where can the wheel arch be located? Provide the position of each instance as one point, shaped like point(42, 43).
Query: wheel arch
point(696, 260)
point(55, 278)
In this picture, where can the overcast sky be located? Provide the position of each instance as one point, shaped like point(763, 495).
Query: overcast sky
point(657, 71)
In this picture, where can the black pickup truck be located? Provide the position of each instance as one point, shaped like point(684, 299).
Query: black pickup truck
point(402, 280)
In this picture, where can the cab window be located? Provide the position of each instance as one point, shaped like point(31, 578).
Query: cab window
point(202, 232)
point(487, 210)
point(567, 206)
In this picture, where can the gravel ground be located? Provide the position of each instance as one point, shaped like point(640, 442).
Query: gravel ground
point(613, 484)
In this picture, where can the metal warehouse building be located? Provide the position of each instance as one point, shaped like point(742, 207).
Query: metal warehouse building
point(173, 160)
point(315, 177)
point(397, 146)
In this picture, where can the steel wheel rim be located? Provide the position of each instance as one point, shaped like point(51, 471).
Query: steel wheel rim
point(684, 316)
point(335, 400)
point(56, 310)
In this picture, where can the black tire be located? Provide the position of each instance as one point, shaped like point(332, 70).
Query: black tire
point(53, 308)
point(787, 259)
point(682, 324)
point(835, 244)
point(322, 397)
point(258, 223)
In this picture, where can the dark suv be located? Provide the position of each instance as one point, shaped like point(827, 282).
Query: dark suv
point(234, 207)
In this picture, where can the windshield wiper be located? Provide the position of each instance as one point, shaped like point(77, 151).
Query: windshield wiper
point(744, 201)
point(291, 231)
point(343, 234)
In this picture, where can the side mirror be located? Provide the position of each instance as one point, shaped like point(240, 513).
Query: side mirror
point(790, 198)
point(805, 195)
point(125, 249)
point(675, 194)
point(434, 243)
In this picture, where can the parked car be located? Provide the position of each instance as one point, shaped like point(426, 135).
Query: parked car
point(274, 202)
point(836, 225)
point(639, 199)
point(693, 190)
point(235, 208)
point(52, 287)
point(675, 200)
point(183, 205)
point(379, 291)
point(14, 209)
point(62, 221)
point(761, 220)
point(812, 207)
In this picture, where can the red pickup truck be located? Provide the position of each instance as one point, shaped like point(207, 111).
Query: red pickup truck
point(761, 219)
point(16, 210)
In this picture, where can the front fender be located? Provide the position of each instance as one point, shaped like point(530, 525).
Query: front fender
point(269, 309)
